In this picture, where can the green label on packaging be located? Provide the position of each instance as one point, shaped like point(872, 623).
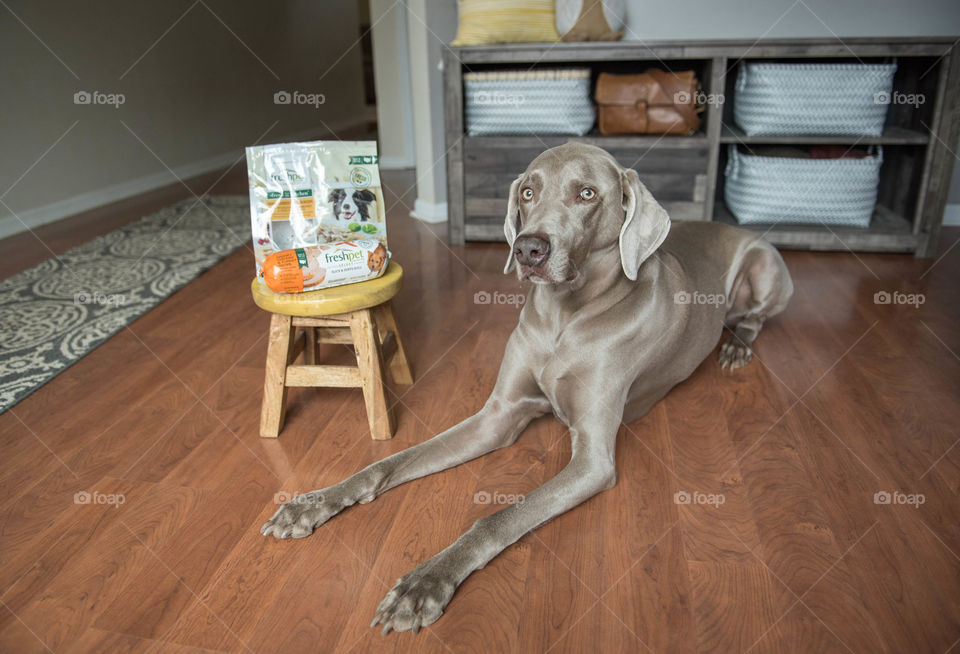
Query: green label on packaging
point(301, 257)
point(361, 159)
point(300, 193)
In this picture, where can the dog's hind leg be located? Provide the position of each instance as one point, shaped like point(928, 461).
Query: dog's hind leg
point(761, 289)
point(516, 399)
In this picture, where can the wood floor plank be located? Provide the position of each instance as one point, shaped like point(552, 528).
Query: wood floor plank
point(19, 637)
point(719, 590)
point(179, 568)
point(713, 506)
point(98, 640)
point(97, 556)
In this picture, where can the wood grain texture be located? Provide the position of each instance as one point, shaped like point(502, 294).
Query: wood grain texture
point(279, 356)
point(388, 330)
point(845, 398)
point(372, 374)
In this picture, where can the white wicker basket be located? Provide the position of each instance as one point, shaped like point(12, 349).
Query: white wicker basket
point(812, 98)
point(840, 192)
point(528, 102)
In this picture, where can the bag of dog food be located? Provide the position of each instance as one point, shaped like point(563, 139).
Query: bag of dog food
point(312, 268)
point(306, 195)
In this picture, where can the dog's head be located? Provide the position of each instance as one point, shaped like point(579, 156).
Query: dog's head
point(377, 258)
point(348, 204)
point(575, 200)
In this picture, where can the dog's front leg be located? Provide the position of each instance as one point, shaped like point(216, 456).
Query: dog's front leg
point(419, 597)
point(515, 401)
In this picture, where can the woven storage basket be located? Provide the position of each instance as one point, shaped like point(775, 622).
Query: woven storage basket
point(528, 102)
point(840, 192)
point(812, 98)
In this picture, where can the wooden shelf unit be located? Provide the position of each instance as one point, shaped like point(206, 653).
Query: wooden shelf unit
point(685, 173)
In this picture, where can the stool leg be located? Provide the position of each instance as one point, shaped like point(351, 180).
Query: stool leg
point(311, 352)
point(399, 365)
point(282, 333)
point(363, 330)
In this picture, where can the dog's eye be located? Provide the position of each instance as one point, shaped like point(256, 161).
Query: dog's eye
point(527, 193)
point(588, 194)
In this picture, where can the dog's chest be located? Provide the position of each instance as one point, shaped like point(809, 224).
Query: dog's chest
point(555, 377)
point(568, 368)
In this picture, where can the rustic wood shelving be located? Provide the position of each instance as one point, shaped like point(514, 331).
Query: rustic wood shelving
point(686, 172)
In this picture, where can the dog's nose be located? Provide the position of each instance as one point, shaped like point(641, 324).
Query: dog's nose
point(531, 250)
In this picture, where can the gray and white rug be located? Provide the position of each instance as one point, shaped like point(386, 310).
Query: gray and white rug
point(55, 313)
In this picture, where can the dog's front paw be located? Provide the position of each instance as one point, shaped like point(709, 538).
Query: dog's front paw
point(417, 600)
point(734, 354)
point(300, 516)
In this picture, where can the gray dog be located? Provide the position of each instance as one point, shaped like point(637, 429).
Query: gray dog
point(622, 309)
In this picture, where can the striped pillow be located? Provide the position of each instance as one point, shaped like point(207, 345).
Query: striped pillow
point(503, 21)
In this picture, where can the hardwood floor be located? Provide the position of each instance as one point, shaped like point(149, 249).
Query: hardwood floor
point(845, 399)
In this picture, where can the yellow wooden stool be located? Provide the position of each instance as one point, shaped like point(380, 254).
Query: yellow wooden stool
point(355, 313)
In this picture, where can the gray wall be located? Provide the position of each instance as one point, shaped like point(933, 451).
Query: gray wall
point(715, 19)
point(431, 25)
point(391, 70)
point(196, 97)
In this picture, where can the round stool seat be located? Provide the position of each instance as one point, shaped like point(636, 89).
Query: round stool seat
point(334, 300)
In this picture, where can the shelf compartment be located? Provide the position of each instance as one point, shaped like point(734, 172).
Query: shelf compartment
point(888, 232)
point(891, 136)
point(677, 177)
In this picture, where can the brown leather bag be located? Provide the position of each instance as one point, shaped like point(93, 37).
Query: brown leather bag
point(652, 102)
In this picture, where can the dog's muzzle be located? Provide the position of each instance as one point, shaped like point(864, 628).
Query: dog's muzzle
point(531, 251)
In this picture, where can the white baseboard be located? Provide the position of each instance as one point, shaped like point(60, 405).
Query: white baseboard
point(429, 212)
point(396, 163)
point(951, 215)
point(48, 213)
point(31, 218)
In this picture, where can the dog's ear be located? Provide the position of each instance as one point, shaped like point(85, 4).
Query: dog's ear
point(334, 195)
point(365, 195)
point(512, 221)
point(645, 224)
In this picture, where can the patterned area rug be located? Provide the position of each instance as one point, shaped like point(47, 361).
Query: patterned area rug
point(55, 313)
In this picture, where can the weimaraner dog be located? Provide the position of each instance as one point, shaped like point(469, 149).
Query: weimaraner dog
point(622, 308)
